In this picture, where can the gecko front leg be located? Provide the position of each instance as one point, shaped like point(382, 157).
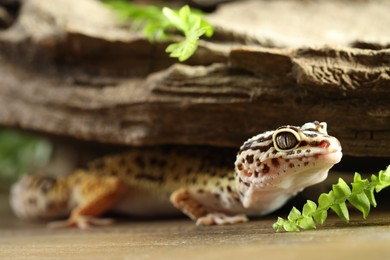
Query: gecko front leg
point(184, 200)
point(93, 196)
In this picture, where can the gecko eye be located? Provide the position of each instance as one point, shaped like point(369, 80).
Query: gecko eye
point(286, 139)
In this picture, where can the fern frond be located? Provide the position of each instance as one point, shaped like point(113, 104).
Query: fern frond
point(361, 196)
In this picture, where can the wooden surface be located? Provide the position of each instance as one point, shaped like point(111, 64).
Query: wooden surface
point(87, 77)
point(181, 239)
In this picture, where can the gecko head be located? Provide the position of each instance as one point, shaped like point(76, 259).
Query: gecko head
point(289, 158)
point(39, 197)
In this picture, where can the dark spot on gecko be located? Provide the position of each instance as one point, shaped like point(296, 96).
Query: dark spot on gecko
point(274, 152)
point(247, 184)
point(203, 168)
point(214, 172)
point(153, 161)
point(311, 135)
point(188, 170)
point(256, 174)
point(240, 166)
point(52, 206)
point(247, 145)
point(231, 178)
point(314, 143)
point(303, 143)
point(114, 173)
point(291, 165)
point(216, 195)
point(32, 201)
point(265, 169)
point(151, 178)
point(158, 162)
point(300, 159)
point(200, 191)
point(262, 149)
point(290, 153)
point(299, 151)
point(140, 162)
point(249, 158)
point(287, 160)
point(305, 163)
point(308, 151)
point(193, 180)
point(176, 177)
point(122, 162)
point(228, 188)
point(221, 188)
point(77, 180)
point(275, 162)
point(47, 184)
point(128, 170)
point(98, 165)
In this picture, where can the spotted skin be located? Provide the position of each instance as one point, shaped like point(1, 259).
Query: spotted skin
point(269, 169)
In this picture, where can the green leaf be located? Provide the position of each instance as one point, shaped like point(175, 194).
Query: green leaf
point(182, 50)
point(158, 24)
point(185, 49)
point(370, 195)
point(361, 196)
point(361, 202)
point(341, 190)
point(325, 200)
point(309, 208)
point(290, 226)
point(278, 225)
point(341, 211)
point(209, 31)
point(306, 223)
point(174, 18)
point(320, 216)
point(294, 214)
point(384, 179)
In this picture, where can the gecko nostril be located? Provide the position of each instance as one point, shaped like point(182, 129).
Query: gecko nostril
point(324, 144)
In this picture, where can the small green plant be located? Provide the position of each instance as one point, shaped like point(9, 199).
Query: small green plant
point(361, 196)
point(20, 152)
point(159, 24)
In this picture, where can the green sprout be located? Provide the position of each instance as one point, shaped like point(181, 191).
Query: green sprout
point(361, 196)
point(159, 24)
point(20, 152)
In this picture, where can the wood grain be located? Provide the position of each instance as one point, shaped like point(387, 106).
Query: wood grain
point(88, 77)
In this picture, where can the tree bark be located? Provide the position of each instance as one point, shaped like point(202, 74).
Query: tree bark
point(88, 77)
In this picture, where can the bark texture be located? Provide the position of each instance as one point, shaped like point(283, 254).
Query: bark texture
point(86, 76)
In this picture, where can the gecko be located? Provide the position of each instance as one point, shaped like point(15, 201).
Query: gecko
point(269, 169)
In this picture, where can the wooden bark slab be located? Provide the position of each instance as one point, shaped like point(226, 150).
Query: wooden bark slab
point(87, 77)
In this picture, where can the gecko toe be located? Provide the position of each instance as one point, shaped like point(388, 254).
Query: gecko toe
point(220, 219)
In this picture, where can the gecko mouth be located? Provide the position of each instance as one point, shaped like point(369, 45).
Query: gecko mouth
point(295, 166)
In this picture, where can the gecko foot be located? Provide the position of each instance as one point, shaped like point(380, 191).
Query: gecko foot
point(220, 219)
point(82, 222)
